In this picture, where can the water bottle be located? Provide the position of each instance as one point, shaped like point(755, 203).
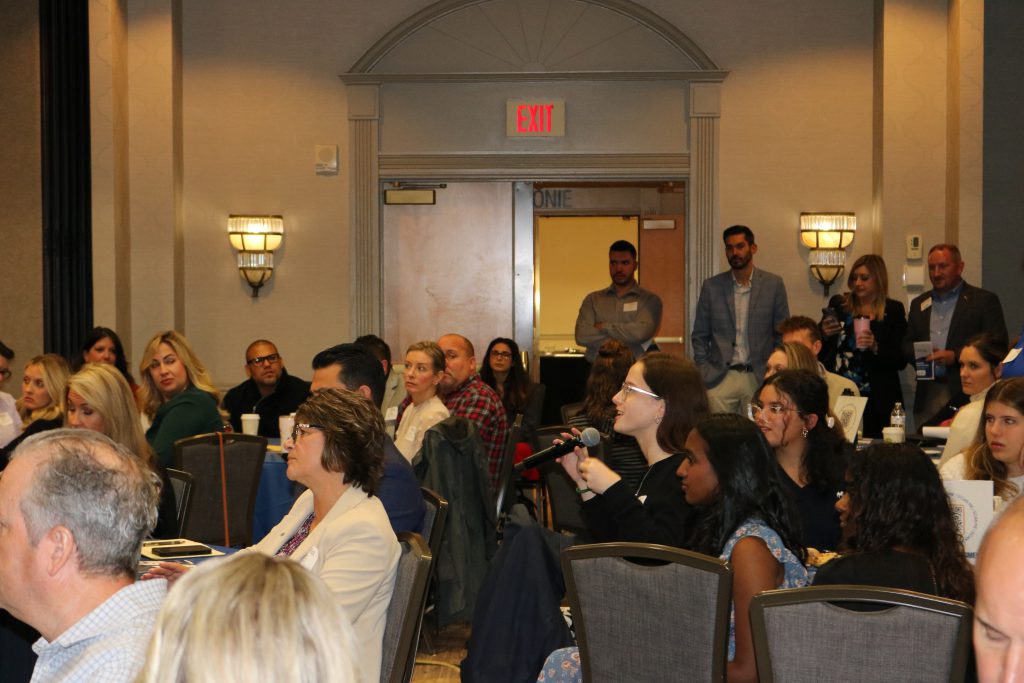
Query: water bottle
point(898, 420)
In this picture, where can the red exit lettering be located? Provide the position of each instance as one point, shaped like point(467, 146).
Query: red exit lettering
point(534, 118)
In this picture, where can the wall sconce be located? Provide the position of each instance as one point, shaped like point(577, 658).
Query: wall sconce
point(255, 238)
point(827, 235)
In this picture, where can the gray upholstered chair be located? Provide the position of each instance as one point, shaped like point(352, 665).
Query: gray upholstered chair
point(182, 484)
point(405, 613)
point(505, 485)
point(222, 507)
point(807, 635)
point(664, 619)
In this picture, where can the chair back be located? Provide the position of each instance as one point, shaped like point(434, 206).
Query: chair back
point(221, 489)
point(501, 494)
point(571, 410)
point(181, 482)
point(664, 618)
point(434, 519)
point(405, 612)
point(806, 634)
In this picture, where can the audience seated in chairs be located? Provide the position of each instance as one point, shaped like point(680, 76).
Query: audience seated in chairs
point(252, 618)
point(980, 368)
point(42, 391)
point(424, 368)
point(177, 394)
point(995, 454)
point(503, 371)
point(338, 528)
point(608, 372)
point(729, 472)
point(898, 528)
point(791, 408)
point(662, 398)
point(102, 345)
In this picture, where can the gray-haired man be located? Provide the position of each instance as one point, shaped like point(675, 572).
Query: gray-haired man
point(74, 509)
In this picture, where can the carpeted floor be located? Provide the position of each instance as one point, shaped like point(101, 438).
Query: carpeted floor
point(443, 666)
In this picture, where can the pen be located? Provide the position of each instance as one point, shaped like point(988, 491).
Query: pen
point(153, 544)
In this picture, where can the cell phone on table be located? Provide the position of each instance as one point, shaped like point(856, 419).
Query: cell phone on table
point(180, 550)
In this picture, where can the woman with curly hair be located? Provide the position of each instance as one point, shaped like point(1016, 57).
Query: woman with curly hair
point(998, 447)
point(872, 357)
point(177, 394)
point(898, 528)
point(791, 409)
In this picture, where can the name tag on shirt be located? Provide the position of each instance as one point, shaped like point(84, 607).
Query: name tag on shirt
point(392, 414)
point(5, 420)
point(926, 304)
point(629, 307)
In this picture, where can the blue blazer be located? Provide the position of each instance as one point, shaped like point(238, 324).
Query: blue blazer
point(713, 334)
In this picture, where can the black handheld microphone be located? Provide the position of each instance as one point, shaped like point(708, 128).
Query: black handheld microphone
point(589, 438)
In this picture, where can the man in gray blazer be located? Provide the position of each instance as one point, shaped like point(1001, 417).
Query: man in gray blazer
point(734, 331)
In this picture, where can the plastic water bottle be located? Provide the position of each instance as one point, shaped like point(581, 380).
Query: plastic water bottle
point(898, 418)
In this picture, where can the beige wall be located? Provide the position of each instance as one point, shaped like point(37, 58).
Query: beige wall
point(21, 310)
point(259, 89)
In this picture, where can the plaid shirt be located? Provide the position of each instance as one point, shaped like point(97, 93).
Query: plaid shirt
point(107, 645)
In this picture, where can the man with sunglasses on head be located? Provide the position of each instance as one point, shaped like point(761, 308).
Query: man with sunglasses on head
point(269, 392)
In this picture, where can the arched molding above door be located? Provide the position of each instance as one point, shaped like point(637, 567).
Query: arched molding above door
point(530, 41)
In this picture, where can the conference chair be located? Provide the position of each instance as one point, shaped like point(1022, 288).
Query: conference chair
point(571, 410)
point(806, 634)
point(662, 619)
point(434, 520)
point(508, 457)
point(181, 482)
point(405, 612)
point(225, 469)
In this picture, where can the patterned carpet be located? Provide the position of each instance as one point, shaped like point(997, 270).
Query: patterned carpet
point(443, 666)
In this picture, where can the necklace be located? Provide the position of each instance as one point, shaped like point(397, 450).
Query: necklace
point(638, 488)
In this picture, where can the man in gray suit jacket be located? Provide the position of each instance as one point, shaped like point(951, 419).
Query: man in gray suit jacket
point(734, 331)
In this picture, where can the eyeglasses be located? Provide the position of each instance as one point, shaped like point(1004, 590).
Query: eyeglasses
point(627, 388)
point(301, 428)
point(501, 354)
point(754, 410)
point(260, 360)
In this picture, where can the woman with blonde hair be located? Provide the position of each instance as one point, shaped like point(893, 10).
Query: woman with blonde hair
point(790, 356)
point(251, 618)
point(176, 394)
point(863, 333)
point(424, 367)
point(998, 448)
point(42, 396)
point(99, 399)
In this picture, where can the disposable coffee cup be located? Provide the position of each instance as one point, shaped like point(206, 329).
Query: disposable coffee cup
point(893, 435)
point(285, 424)
point(251, 423)
point(861, 324)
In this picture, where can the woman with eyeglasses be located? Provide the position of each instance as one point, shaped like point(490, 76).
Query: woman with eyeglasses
point(659, 403)
point(177, 394)
point(338, 528)
point(503, 371)
point(898, 528)
point(791, 410)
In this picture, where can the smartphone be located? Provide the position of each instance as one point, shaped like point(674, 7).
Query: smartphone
point(181, 550)
point(830, 313)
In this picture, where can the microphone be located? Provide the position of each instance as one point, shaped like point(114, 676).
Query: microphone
point(590, 437)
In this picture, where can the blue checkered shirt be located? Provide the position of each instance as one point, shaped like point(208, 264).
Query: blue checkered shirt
point(107, 645)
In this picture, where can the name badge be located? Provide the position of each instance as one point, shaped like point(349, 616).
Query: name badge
point(629, 307)
point(309, 559)
point(926, 304)
point(392, 414)
point(5, 420)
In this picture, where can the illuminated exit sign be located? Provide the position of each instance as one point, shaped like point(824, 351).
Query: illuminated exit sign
point(535, 118)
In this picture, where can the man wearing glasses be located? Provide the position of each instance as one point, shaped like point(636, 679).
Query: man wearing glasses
point(270, 391)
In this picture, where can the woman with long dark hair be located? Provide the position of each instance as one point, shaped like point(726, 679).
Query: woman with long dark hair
point(871, 355)
point(980, 368)
point(729, 473)
point(102, 345)
point(791, 409)
point(898, 528)
point(503, 371)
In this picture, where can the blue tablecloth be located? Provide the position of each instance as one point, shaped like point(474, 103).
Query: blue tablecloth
point(274, 497)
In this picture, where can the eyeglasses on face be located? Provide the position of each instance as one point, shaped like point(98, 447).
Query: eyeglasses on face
point(501, 354)
point(302, 428)
point(260, 360)
point(627, 388)
point(755, 410)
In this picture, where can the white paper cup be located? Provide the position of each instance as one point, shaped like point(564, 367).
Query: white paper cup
point(251, 423)
point(893, 435)
point(285, 423)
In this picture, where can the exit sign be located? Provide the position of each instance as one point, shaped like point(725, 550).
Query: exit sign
point(535, 118)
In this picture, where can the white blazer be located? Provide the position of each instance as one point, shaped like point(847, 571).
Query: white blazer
point(355, 552)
